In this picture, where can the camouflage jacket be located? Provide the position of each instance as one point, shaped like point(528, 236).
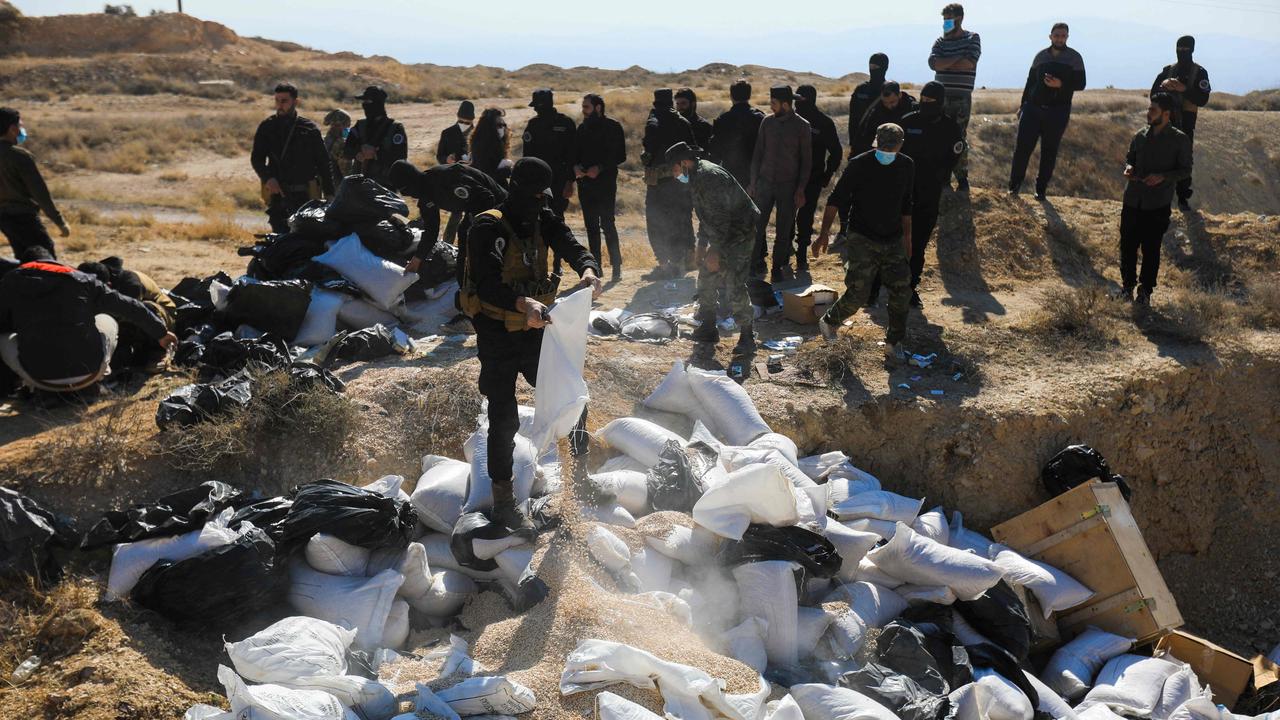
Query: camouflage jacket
point(726, 215)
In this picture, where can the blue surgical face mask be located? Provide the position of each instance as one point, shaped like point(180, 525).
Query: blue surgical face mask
point(948, 25)
point(683, 177)
point(885, 158)
point(345, 132)
point(22, 135)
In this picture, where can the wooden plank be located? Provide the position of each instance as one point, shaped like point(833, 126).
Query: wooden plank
point(1059, 537)
point(1093, 558)
point(1141, 563)
point(1133, 620)
point(1052, 517)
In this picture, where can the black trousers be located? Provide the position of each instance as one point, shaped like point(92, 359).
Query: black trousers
point(804, 221)
point(503, 357)
point(599, 200)
point(283, 206)
point(668, 214)
point(1187, 124)
point(23, 231)
point(1141, 230)
point(1043, 124)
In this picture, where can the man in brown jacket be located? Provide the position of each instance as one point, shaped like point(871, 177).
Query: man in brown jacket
point(780, 168)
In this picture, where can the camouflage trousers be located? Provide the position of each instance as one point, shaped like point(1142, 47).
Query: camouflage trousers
point(730, 279)
point(958, 106)
point(865, 258)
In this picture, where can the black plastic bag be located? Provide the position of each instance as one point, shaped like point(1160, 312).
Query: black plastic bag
point(192, 404)
point(360, 199)
point(29, 536)
point(759, 543)
point(650, 327)
point(351, 514)
point(904, 648)
point(285, 257)
point(268, 514)
point(439, 266)
point(935, 623)
point(217, 586)
point(897, 691)
point(989, 656)
point(304, 376)
point(196, 290)
point(312, 220)
point(189, 352)
point(275, 306)
point(368, 344)
point(474, 526)
point(173, 514)
point(1076, 465)
point(1000, 616)
point(225, 354)
point(761, 293)
point(675, 483)
point(385, 238)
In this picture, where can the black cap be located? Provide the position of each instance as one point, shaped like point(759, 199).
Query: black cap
point(531, 174)
point(401, 174)
point(373, 93)
point(934, 89)
point(740, 91)
point(782, 92)
point(891, 86)
point(880, 59)
point(542, 97)
point(808, 93)
point(466, 110)
point(663, 98)
point(682, 151)
point(1187, 42)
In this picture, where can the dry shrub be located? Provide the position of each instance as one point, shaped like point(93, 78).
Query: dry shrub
point(286, 434)
point(1080, 313)
point(98, 449)
point(51, 624)
point(1262, 310)
point(832, 360)
point(1193, 315)
point(426, 414)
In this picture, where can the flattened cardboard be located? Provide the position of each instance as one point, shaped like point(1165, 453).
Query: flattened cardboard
point(1225, 672)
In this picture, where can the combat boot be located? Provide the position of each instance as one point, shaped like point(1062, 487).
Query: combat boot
point(509, 515)
point(707, 331)
point(746, 337)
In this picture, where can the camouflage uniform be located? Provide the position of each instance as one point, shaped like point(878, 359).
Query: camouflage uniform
point(864, 259)
point(727, 223)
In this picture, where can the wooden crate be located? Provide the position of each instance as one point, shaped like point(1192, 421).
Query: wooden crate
point(1090, 534)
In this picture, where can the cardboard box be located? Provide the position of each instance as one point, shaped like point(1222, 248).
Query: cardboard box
point(1090, 534)
point(805, 306)
point(1265, 672)
point(1222, 670)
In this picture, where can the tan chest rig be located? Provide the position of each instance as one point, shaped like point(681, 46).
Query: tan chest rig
point(524, 270)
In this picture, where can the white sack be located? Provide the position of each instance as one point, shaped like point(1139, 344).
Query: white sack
point(845, 480)
point(335, 556)
point(448, 593)
point(609, 515)
point(1054, 589)
point(524, 469)
point(733, 415)
point(1072, 668)
point(868, 571)
point(878, 504)
point(641, 439)
point(321, 321)
point(811, 625)
point(1097, 712)
point(933, 525)
point(512, 563)
point(919, 594)
point(129, 561)
point(919, 560)
point(358, 314)
point(622, 462)
point(429, 705)
point(817, 466)
point(396, 630)
point(411, 562)
point(276, 702)
point(736, 458)
point(361, 604)
point(489, 695)
point(1203, 708)
point(629, 487)
point(853, 545)
point(696, 546)
point(382, 280)
point(1050, 701)
point(200, 711)
point(653, 569)
point(561, 393)
point(846, 635)
point(490, 549)
point(614, 707)
point(828, 702)
point(292, 648)
point(675, 394)
point(785, 709)
point(1130, 685)
point(1178, 689)
point(965, 539)
point(779, 442)
point(875, 605)
point(754, 494)
point(991, 696)
point(767, 590)
point(745, 643)
point(441, 492)
point(608, 549)
point(390, 486)
point(440, 557)
point(369, 698)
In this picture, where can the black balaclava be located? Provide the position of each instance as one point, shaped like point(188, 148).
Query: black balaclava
point(806, 99)
point(937, 91)
point(1184, 56)
point(374, 109)
point(403, 177)
point(663, 100)
point(877, 76)
point(530, 188)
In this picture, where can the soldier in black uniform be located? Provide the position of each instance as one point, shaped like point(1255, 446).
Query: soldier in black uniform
point(668, 206)
point(549, 136)
point(506, 290)
point(733, 134)
point(453, 139)
point(865, 94)
point(602, 147)
point(1188, 83)
point(935, 143)
point(290, 159)
point(454, 188)
point(827, 153)
point(377, 141)
point(687, 106)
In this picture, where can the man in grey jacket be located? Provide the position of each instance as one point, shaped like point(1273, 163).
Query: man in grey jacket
point(780, 167)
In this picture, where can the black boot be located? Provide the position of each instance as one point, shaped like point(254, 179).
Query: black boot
point(746, 337)
point(707, 331)
point(509, 515)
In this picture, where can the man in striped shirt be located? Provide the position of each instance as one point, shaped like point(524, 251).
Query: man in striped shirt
point(954, 60)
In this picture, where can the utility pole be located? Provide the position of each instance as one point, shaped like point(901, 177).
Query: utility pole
point(179, 6)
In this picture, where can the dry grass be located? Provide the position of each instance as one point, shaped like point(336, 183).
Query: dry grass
point(425, 414)
point(50, 624)
point(1083, 314)
point(1262, 310)
point(1092, 153)
point(95, 451)
point(285, 435)
point(829, 361)
point(1193, 315)
point(136, 144)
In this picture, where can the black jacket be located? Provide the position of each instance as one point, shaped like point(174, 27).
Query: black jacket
point(934, 144)
point(876, 116)
point(601, 143)
point(51, 308)
point(452, 142)
point(703, 130)
point(826, 144)
point(1194, 97)
point(387, 136)
point(551, 138)
point(664, 127)
point(860, 101)
point(487, 242)
point(733, 140)
point(291, 150)
point(1067, 66)
point(452, 188)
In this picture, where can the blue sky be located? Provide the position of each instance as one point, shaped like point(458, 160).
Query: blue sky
point(1124, 42)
